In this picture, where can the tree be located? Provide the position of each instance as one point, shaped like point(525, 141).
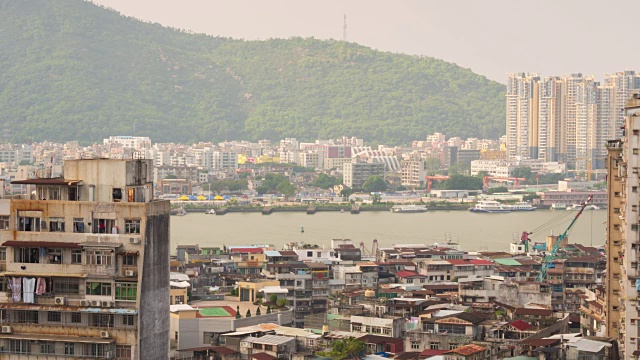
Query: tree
point(282, 302)
point(375, 199)
point(346, 192)
point(432, 165)
point(350, 348)
point(522, 172)
point(374, 184)
point(258, 311)
point(497, 189)
point(238, 316)
point(273, 298)
point(325, 181)
point(268, 309)
point(248, 314)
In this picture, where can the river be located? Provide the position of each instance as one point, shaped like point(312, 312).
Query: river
point(471, 230)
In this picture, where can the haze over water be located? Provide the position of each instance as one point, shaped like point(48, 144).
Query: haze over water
point(472, 231)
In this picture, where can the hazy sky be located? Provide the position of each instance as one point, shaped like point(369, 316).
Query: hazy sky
point(492, 37)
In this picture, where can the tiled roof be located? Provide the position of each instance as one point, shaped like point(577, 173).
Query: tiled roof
point(521, 325)
point(467, 350)
point(406, 274)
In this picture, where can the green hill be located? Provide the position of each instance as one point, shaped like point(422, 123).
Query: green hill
point(70, 70)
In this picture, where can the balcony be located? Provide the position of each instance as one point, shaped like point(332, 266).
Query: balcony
point(99, 270)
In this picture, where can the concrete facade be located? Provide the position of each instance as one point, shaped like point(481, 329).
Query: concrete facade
point(103, 256)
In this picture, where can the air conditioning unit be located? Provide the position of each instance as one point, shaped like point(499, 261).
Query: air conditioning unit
point(85, 303)
point(60, 300)
point(134, 241)
point(104, 334)
point(106, 304)
point(6, 329)
point(95, 303)
point(129, 273)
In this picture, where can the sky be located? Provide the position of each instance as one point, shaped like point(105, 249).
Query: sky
point(491, 37)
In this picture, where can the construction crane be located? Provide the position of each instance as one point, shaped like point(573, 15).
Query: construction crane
point(434, 178)
point(551, 256)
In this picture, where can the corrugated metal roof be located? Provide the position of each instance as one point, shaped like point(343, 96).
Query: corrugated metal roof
point(507, 261)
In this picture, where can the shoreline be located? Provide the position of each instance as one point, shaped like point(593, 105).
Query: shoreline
point(314, 209)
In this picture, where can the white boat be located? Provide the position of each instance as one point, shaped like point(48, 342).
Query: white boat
point(412, 208)
point(210, 212)
point(341, 211)
point(489, 206)
point(558, 206)
point(520, 206)
point(576, 207)
point(181, 212)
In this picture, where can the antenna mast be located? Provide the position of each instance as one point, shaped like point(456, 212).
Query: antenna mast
point(344, 29)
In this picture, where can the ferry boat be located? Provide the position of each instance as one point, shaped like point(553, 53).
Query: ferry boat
point(558, 206)
point(409, 208)
point(210, 212)
point(489, 206)
point(520, 206)
point(576, 207)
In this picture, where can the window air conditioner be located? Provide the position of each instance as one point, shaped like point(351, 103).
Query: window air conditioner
point(60, 300)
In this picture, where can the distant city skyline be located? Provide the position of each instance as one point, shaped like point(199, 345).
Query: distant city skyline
point(492, 38)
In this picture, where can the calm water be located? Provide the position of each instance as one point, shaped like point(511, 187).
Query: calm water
point(473, 231)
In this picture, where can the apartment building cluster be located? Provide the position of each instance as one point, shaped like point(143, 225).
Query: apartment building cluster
point(406, 301)
point(84, 264)
point(622, 280)
point(567, 118)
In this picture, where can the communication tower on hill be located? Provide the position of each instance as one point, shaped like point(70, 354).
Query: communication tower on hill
point(344, 29)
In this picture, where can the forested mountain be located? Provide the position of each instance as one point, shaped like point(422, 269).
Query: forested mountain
point(71, 70)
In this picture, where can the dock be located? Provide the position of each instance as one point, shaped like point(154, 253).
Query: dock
point(267, 210)
point(311, 210)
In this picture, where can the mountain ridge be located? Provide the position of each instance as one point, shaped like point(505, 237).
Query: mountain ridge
point(72, 70)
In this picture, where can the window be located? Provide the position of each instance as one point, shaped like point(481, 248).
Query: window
point(132, 226)
point(98, 288)
point(56, 224)
point(27, 255)
point(76, 256)
point(25, 317)
point(126, 291)
point(95, 350)
point(66, 286)
point(128, 320)
point(268, 348)
point(3, 254)
point(117, 194)
point(54, 316)
point(4, 223)
point(415, 345)
point(76, 318)
point(69, 348)
point(357, 327)
point(54, 256)
point(103, 226)
point(123, 352)
point(309, 253)
point(20, 346)
point(47, 347)
point(452, 346)
point(100, 257)
point(434, 346)
point(179, 299)
point(129, 260)
point(101, 320)
point(26, 223)
point(78, 225)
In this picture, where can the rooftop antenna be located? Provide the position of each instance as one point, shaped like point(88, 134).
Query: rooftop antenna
point(344, 29)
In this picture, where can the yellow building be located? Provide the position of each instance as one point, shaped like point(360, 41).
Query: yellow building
point(247, 291)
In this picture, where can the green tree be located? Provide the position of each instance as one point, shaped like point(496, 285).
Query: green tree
point(325, 181)
point(374, 183)
point(273, 298)
point(346, 192)
point(522, 172)
point(248, 314)
point(238, 316)
point(258, 311)
point(461, 182)
point(282, 302)
point(497, 189)
point(432, 165)
point(268, 309)
point(350, 348)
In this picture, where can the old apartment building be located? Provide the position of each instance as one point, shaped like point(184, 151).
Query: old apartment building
point(85, 268)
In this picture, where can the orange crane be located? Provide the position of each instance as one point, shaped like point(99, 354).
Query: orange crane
point(485, 181)
point(434, 178)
